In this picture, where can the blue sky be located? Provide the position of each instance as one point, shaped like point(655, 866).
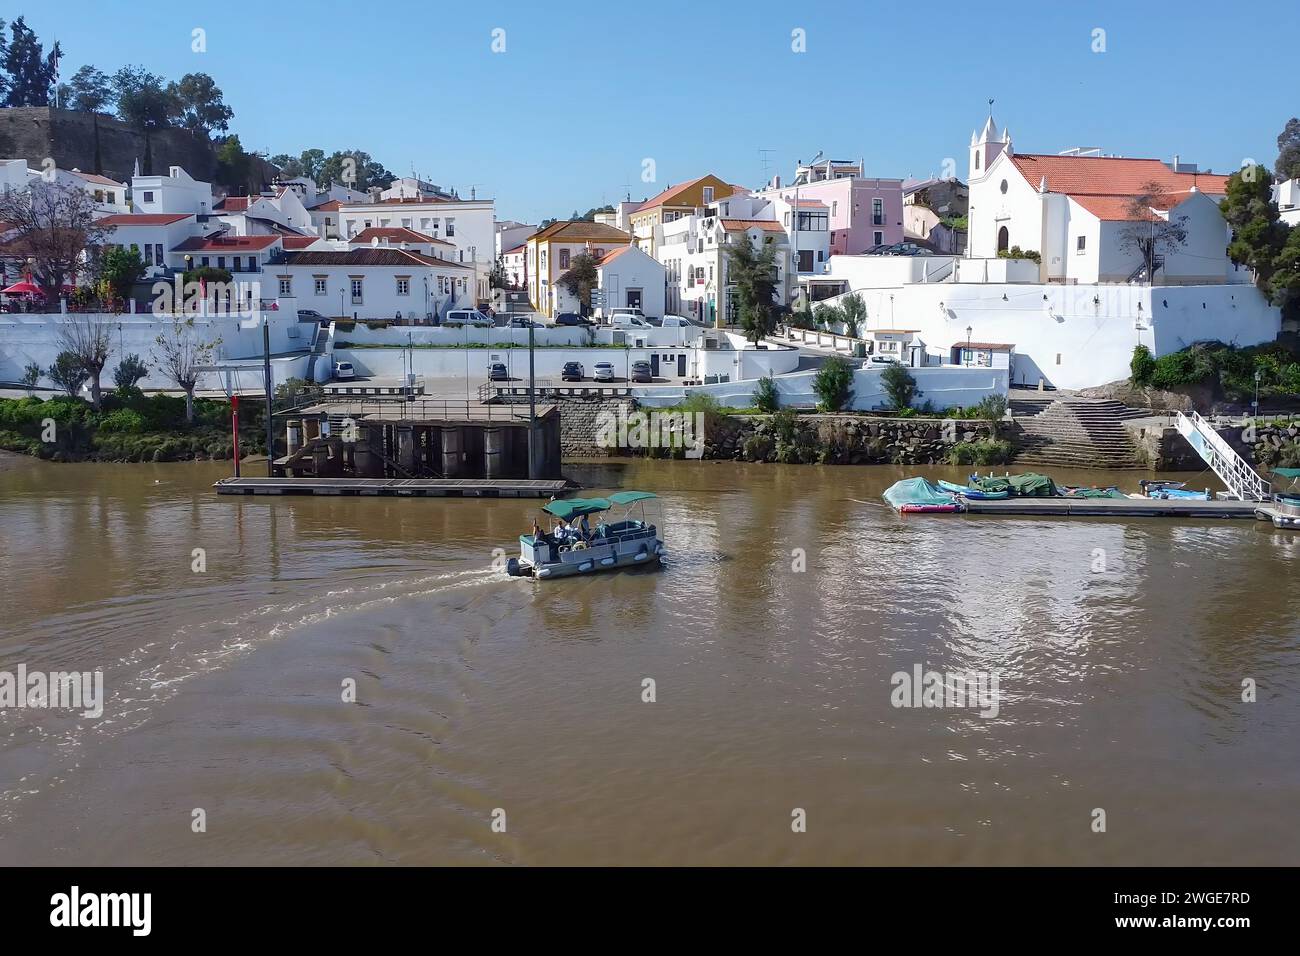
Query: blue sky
point(565, 116)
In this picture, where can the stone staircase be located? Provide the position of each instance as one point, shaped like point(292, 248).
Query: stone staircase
point(1078, 433)
point(1028, 405)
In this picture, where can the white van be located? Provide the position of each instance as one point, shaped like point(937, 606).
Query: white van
point(628, 320)
point(458, 317)
point(679, 322)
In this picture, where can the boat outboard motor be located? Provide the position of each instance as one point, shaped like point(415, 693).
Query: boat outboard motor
point(512, 568)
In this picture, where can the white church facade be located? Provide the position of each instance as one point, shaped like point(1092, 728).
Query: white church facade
point(1079, 209)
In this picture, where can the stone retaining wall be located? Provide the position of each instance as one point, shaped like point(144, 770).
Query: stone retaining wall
point(580, 420)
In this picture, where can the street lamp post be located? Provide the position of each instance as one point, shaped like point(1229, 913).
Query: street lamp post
point(968, 356)
point(1258, 376)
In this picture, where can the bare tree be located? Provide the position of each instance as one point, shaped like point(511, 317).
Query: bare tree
point(180, 355)
point(1150, 234)
point(86, 336)
point(54, 229)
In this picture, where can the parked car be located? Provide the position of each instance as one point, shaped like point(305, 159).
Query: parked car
point(628, 320)
point(497, 372)
point(344, 370)
point(572, 318)
point(641, 372)
point(680, 322)
point(572, 372)
point(311, 315)
point(522, 322)
point(472, 317)
point(603, 372)
point(878, 360)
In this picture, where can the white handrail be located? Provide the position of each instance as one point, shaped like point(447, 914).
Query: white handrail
point(1234, 471)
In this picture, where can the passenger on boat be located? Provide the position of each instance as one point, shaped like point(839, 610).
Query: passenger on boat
point(584, 529)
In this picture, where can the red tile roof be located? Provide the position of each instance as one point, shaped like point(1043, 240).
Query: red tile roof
point(1120, 208)
point(144, 219)
point(227, 243)
point(395, 235)
point(516, 249)
point(331, 206)
point(299, 242)
point(96, 178)
point(662, 198)
point(237, 203)
point(767, 225)
point(991, 346)
point(611, 256)
point(1111, 176)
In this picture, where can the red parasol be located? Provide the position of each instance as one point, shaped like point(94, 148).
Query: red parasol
point(26, 287)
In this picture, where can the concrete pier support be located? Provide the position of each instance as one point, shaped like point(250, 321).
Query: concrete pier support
point(496, 453)
point(406, 448)
point(292, 436)
point(452, 446)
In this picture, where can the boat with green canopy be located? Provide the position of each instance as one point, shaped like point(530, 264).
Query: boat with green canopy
point(576, 547)
point(1284, 509)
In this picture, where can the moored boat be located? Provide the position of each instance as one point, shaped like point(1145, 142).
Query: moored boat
point(972, 492)
point(919, 496)
point(634, 538)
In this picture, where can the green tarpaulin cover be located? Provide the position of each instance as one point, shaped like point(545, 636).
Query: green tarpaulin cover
point(1028, 485)
point(916, 491)
point(571, 508)
point(630, 497)
point(1094, 493)
point(1287, 472)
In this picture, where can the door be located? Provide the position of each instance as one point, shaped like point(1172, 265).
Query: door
point(681, 366)
point(654, 364)
point(633, 298)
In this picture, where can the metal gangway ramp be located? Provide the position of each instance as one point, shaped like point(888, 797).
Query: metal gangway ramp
point(1242, 481)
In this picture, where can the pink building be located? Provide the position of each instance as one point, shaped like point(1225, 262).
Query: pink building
point(863, 212)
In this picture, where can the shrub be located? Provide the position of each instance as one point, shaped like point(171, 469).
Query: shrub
point(1015, 252)
point(766, 398)
point(31, 376)
point(757, 448)
point(67, 373)
point(803, 319)
point(1142, 366)
point(833, 384)
point(129, 372)
point(785, 425)
point(985, 452)
point(123, 420)
point(899, 385)
point(991, 407)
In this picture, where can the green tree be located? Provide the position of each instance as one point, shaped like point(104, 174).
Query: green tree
point(833, 384)
point(121, 268)
point(753, 271)
point(1288, 150)
point(307, 164)
point(51, 224)
point(181, 351)
point(200, 105)
point(766, 397)
point(31, 376)
point(234, 166)
point(130, 370)
point(827, 316)
point(67, 373)
point(353, 168)
point(1260, 240)
point(899, 385)
point(31, 71)
point(580, 279)
point(143, 102)
point(1142, 366)
point(89, 91)
point(854, 311)
point(86, 336)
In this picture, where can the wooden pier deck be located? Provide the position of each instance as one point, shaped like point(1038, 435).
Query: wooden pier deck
point(1115, 507)
point(395, 487)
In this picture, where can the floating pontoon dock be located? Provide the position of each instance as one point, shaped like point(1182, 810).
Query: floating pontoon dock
point(395, 487)
point(1114, 507)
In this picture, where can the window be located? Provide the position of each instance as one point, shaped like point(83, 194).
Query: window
point(148, 254)
point(205, 260)
point(878, 237)
point(403, 285)
point(600, 253)
point(877, 212)
point(221, 262)
point(1081, 244)
point(1003, 187)
point(356, 291)
point(977, 159)
point(708, 195)
point(252, 263)
point(451, 226)
point(148, 197)
point(805, 260)
point(835, 207)
point(286, 286)
point(320, 285)
point(812, 222)
point(112, 197)
point(564, 258)
point(158, 253)
point(236, 265)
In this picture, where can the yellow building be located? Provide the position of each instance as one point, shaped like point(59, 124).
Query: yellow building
point(675, 202)
point(552, 250)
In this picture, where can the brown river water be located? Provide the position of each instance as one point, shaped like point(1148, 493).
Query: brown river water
point(1120, 646)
